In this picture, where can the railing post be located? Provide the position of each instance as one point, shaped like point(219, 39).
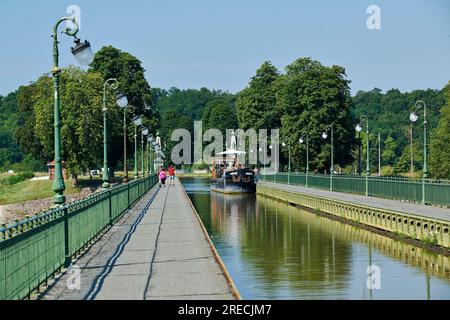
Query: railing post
point(367, 185)
point(128, 191)
point(67, 257)
point(423, 190)
point(110, 206)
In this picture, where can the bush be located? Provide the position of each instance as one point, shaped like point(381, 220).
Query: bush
point(387, 171)
point(200, 166)
point(18, 178)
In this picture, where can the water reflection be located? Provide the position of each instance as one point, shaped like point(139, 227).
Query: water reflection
point(274, 250)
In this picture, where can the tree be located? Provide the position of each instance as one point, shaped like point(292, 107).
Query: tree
point(256, 103)
point(171, 120)
point(440, 141)
point(389, 152)
point(189, 102)
point(81, 118)
point(9, 150)
point(220, 114)
point(111, 62)
point(389, 114)
point(403, 163)
point(311, 96)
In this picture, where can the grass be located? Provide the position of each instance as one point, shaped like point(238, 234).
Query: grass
point(40, 189)
point(30, 190)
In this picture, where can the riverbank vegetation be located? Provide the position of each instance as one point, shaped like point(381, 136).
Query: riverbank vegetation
point(306, 96)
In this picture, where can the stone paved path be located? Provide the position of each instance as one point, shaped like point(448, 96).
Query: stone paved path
point(394, 205)
point(155, 251)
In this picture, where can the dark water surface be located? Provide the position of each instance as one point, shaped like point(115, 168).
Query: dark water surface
point(276, 251)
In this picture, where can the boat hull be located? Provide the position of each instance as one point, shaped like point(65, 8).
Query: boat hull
point(232, 183)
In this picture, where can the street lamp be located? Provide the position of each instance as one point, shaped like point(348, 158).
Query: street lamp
point(276, 165)
point(84, 55)
point(114, 84)
point(264, 159)
point(324, 136)
point(414, 116)
point(144, 132)
point(305, 138)
point(137, 120)
point(359, 129)
point(379, 154)
point(289, 160)
point(122, 102)
point(83, 52)
point(148, 153)
point(152, 142)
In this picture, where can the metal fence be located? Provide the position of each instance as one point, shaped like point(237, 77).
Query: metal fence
point(437, 192)
point(34, 249)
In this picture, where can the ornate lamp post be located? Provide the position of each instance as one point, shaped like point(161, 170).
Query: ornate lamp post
point(137, 120)
point(114, 85)
point(414, 116)
point(358, 129)
point(289, 159)
point(122, 102)
point(276, 165)
point(144, 132)
point(148, 154)
point(264, 164)
point(84, 55)
point(324, 136)
point(303, 138)
point(379, 154)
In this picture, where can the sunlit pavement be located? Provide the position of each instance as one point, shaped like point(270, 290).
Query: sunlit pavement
point(158, 253)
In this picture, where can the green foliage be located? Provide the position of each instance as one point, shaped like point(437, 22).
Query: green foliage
point(180, 108)
point(387, 171)
point(311, 96)
point(9, 149)
point(220, 114)
point(389, 154)
point(81, 131)
point(190, 102)
point(256, 103)
point(10, 180)
point(111, 62)
point(439, 158)
point(170, 121)
point(389, 115)
point(200, 166)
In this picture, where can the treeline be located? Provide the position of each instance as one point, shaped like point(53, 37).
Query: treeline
point(306, 97)
point(29, 124)
point(388, 115)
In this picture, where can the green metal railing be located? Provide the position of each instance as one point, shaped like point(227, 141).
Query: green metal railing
point(437, 192)
point(34, 249)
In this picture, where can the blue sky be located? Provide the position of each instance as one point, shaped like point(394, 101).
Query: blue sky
point(220, 43)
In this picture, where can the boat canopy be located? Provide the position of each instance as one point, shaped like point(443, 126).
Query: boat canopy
point(232, 152)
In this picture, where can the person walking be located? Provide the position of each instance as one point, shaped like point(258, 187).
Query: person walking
point(162, 177)
point(171, 171)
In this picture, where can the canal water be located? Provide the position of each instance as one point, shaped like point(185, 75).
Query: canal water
point(276, 251)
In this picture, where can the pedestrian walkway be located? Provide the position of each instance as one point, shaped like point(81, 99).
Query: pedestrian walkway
point(158, 250)
point(387, 204)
